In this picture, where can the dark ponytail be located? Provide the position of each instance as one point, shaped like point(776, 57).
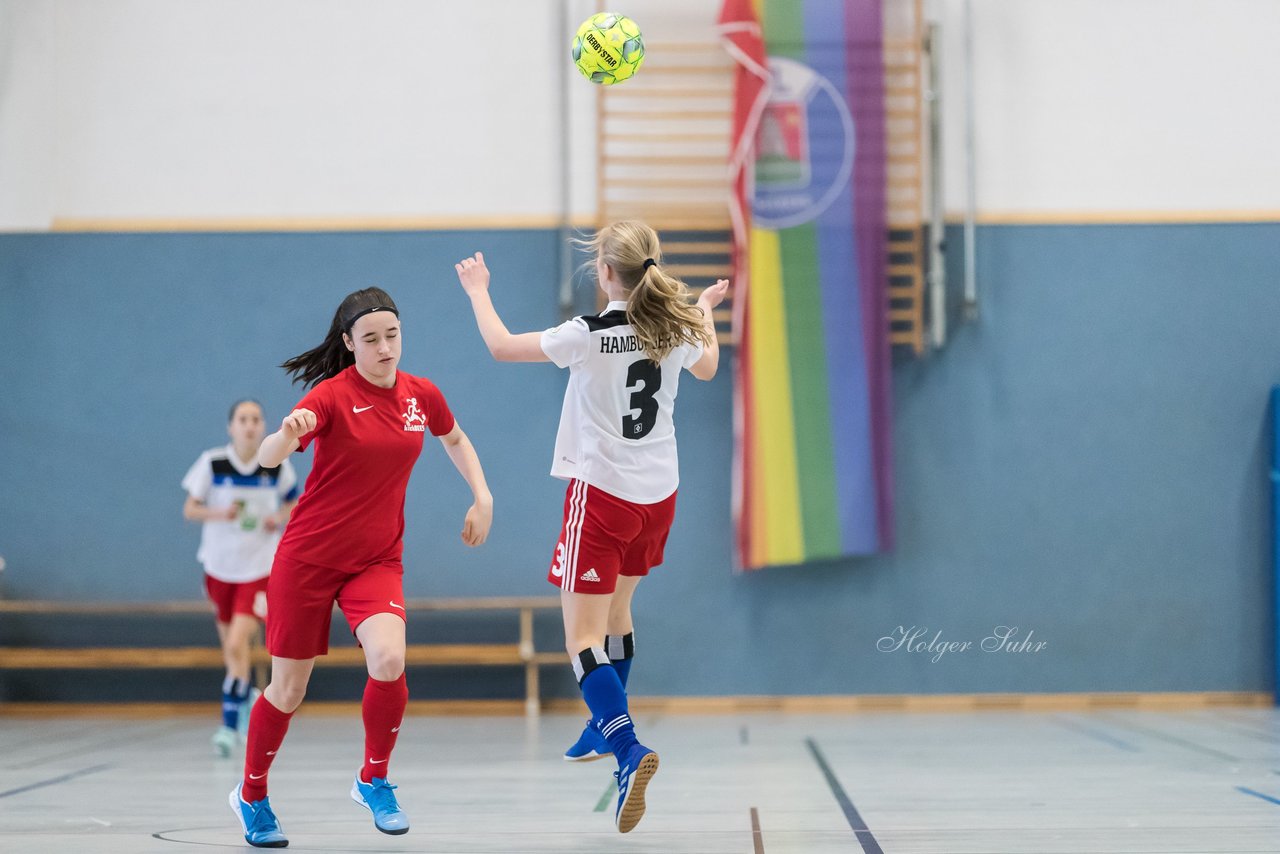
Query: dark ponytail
point(332, 356)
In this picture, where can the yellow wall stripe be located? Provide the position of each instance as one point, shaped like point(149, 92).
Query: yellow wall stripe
point(309, 224)
point(775, 478)
point(1116, 217)
point(586, 221)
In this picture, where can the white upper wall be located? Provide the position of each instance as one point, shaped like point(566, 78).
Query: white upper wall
point(222, 108)
point(294, 108)
point(238, 110)
point(1116, 105)
point(27, 153)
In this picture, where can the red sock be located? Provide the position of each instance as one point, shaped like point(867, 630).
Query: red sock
point(383, 710)
point(267, 726)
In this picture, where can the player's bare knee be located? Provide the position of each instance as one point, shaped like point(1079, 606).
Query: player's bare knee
point(385, 665)
point(286, 696)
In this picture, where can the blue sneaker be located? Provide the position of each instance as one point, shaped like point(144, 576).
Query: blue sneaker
point(589, 747)
point(378, 798)
point(633, 776)
point(261, 827)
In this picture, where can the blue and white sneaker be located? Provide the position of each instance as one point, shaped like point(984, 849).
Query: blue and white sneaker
point(224, 741)
point(379, 798)
point(261, 827)
point(633, 777)
point(590, 746)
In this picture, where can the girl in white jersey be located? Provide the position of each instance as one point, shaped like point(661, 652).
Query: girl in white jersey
point(243, 506)
point(617, 448)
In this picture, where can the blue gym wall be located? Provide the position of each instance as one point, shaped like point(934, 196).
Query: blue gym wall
point(1087, 462)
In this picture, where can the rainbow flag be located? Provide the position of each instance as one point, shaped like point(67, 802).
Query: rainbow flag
point(812, 452)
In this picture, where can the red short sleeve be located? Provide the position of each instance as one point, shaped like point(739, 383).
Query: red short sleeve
point(439, 419)
point(320, 401)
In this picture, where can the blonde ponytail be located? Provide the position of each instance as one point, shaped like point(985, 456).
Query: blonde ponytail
point(658, 306)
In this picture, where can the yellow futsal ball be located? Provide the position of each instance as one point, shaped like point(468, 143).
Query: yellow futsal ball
point(608, 48)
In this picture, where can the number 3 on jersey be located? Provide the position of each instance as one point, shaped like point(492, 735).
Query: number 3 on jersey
point(644, 378)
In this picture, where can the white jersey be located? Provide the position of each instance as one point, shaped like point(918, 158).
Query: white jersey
point(616, 427)
point(240, 550)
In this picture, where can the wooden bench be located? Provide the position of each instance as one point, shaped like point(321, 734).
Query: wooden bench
point(522, 653)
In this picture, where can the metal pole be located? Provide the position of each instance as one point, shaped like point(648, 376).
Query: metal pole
point(565, 266)
point(1275, 532)
point(937, 209)
point(970, 205)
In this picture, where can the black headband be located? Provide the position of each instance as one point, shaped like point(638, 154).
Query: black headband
point(351, 321)
point(649, 262)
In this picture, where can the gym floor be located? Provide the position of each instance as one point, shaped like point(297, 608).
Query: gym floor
point(1119, 781)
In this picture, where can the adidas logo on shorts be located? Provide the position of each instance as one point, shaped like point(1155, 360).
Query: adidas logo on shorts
point(590, 575)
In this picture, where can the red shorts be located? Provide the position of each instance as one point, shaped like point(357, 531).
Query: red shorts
point(229, 598)
point(604, 536)
point(300, 599)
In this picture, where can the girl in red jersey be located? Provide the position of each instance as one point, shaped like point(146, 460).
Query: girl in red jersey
point(344, 543)
point(617, 448)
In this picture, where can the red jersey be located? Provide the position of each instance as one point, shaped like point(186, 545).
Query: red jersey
point(367, 439)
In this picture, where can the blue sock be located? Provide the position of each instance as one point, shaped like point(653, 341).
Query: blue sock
point(623, 668)
point(231, 701)
point(621, 649)
point(602, 690)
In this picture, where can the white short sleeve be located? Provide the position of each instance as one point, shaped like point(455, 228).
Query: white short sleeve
point(693, 352)
point(199, 479)
point(566, 344)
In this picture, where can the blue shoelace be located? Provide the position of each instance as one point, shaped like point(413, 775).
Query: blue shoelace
point(263, 817)
point(382, 799)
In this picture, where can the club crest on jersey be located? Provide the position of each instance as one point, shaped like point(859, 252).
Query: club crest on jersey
point(414, 420)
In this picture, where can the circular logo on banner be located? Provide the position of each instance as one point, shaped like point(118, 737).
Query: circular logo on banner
point(804, 147)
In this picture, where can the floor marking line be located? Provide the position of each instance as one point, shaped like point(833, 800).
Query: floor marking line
point(859, 827)
point(1173, 739)
point(609, 791)
point(142, 732)
point(757, 838)
point(55, 780)
point(1095, 733)
point(1231, 726)
point(1258, 794)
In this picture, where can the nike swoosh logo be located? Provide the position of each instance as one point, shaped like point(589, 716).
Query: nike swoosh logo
point(395, 729)
point(394, 605)
point(376, 761)
point(359, 409)
point(271, 753)
point(256, 776)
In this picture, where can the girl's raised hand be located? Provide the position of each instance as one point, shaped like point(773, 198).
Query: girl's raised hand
point(298, 423)
point(713, 296)
point(473, 274)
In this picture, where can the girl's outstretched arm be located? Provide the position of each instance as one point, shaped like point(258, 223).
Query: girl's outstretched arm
point(195, 510)
point(280, 444)
point(504, 346)
point(475, 527)
point(705, 367)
